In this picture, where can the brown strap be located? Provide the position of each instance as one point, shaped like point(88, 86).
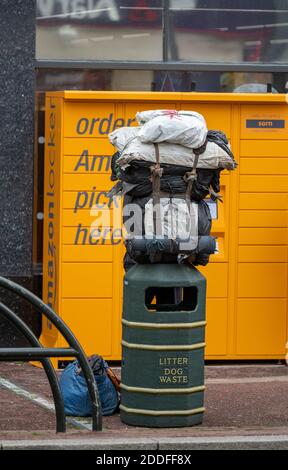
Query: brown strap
point(156, 173)
point(201, 149)
point(157, 155)
point(189, 178)
point(114, 379)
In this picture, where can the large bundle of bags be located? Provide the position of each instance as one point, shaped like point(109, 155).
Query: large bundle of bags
point(165, 169)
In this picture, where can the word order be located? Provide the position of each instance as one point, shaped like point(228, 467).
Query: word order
point(101, 126)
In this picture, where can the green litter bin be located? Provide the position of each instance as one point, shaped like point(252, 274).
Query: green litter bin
point(163, 341)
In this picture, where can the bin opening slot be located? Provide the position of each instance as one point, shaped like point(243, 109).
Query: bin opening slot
point(171, 299)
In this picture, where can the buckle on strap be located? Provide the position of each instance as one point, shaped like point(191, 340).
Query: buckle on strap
point(156, 171)
point(190, 176)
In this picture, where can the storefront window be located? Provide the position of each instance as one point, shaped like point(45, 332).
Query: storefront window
point(99, 30)
point(227, 32)
point(218, 31)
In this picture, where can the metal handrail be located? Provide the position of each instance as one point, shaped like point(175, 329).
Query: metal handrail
point(47, 366)
point(41, 307)
point(33, 354)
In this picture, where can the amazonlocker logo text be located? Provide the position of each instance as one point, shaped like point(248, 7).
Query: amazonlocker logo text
point(50, 198)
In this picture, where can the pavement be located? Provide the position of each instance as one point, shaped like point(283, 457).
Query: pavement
point(246, 408)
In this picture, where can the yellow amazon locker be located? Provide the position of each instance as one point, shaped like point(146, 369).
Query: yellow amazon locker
point(83, 250)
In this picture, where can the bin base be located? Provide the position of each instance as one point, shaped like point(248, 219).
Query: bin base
point(134, 419)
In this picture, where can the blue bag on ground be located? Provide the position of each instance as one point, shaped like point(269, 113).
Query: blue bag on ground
point(75, 392)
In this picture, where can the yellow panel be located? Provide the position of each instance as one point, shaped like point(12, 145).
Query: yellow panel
point(264, 166)
point(86, 253)
point(225, 178)
point(253, 183)
point(47, 340)
point(218, 226)
point(87, 217)
point(76, 146)
point(263, 201)
point(263, 236)
point(86, 182)
point(212, 115)
point(91, 321)
point(262, 254)
point(262, 218)
point(272, 148)
point(89, 119)
point(139, 96)
point(216, 330)
point(262, 280)
point(266, 122)
point(86, 280)
point(217, 276)
point(261, 326)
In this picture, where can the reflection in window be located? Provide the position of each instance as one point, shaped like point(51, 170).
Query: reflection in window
point(93, 79)
point(99, 29)
point(196, 30)
point(254, 82)
point(226, 31)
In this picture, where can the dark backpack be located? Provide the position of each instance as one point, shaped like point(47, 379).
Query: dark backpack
point(75, 392)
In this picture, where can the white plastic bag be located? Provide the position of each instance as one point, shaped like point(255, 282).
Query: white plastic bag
point(145, 116)
point(214, 156)
point(123, 136)
point(186, 128)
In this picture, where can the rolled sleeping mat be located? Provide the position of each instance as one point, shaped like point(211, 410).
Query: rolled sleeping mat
point(206, 245)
